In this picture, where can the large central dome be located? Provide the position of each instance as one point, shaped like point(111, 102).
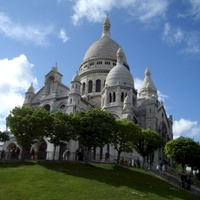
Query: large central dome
point(105, 47)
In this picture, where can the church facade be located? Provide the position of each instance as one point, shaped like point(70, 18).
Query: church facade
point(104, 80)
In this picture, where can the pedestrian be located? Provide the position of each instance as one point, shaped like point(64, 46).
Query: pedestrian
point(3, 153)
point(32, 153)
point(17, 152)
point(13, 152)
point(77, 155)
point(107, 155)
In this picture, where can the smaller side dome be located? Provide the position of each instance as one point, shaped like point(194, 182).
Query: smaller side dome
point(119, 74)
point(31, 89)
point(76, 78)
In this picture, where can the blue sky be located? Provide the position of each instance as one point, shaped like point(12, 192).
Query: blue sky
point(163, 35)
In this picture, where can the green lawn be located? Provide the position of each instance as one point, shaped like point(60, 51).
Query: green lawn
point(80, 181)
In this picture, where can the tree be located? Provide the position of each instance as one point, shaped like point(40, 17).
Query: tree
point(123, 136)
point(4, 136)
point(62, 129)
point(94, 128)
point(184, 151)
point(146, 142)
point(29, 124)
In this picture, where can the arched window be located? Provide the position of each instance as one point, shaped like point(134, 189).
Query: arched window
point(110, 97)
point(62, 108)
point(47, 107)
point(50, 85)
point(83, 89)
point(114, 99)
point(122, 97)
point(90, 87)
point(98, 85)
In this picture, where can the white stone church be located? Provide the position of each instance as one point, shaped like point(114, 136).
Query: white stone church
point(104, 80)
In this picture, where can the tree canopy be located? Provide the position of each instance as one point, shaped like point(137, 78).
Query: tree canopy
point(62, 129)
point(4, 136)
point(146, 142)
point(29, 124)
point(184, 151)
point(93, 128)
point(123, 136)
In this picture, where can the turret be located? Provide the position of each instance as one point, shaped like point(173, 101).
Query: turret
point(29, 94)
point(106, 27)
point(148, 89)
point(74, 94)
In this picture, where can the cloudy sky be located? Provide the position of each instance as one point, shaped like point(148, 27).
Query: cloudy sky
point(163, 35)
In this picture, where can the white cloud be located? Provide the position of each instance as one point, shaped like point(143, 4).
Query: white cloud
point(146, 10)
point(195, 8)
point(36, 34)
point(95, 11)
point(186, 128)
point(173, 35)
point(15, 78)
point(162, 97)
point(138, 83)
point(190, 40)
point(63, 36)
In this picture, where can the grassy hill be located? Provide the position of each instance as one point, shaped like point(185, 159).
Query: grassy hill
point(81, 181)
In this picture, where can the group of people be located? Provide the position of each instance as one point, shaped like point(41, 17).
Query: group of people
point(79, 154)
point(14, 152)
point(186, 181)
point(161, 166)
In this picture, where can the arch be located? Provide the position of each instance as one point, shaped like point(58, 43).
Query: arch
point(62, 108)
point(42, 147)
point(47, 107)
point(8, 150)
point(98, 85)
point(90, 84)
point(63, 148)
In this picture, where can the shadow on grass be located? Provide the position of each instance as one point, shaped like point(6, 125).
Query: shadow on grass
point(16, 163)
point(117, 176)
point(114, 175)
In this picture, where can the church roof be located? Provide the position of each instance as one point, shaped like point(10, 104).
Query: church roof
point(31, 89)
point(105, 47)
point(119, 74)
point(76, 78)
point(148, 83)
